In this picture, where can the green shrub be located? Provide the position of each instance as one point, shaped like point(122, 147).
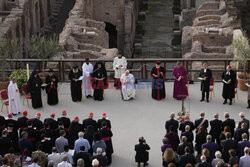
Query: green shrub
point(21, 76)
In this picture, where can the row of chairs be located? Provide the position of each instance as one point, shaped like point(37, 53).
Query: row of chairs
point(5, 99)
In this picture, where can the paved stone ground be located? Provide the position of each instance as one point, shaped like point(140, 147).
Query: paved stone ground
point(140, 117)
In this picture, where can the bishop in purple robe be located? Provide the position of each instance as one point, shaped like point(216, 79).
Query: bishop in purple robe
point(180, 81)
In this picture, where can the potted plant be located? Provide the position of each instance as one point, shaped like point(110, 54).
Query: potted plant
point(43, 47)
point(9, 48)
point(241, 48)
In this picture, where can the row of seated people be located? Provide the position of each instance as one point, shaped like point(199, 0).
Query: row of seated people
point(223, 141)
point(35, 134)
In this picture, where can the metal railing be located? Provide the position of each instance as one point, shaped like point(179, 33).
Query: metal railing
point(140, 67)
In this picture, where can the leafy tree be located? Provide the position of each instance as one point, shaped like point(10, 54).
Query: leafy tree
point(242, 51)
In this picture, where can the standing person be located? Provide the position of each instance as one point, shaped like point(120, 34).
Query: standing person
point(74, 129)
point(173, 138)
point(81, 142)
point(119, 65)
point(205, 76)
point(75, 84)
point(37, 123)
point(87, 69)
point(172, 122)
point(245, 160)
point(65, 120)
point(106, 135)
point(34, 87)
point(243, 120)
point(158, 86)
point(180, 82)
point(128, 87)
point(104, 119)
point(142, 154)
point(14, 97)
point(51, 122)
point(99, 80)
point(201, 122)
point(61, 142)
point(215, 130)
point(5, 143)
point(51, 88)
point(228, 79)
point(22, 122)
point(90, 121)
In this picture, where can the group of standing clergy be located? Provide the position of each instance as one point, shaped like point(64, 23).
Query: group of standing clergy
point(95, 77)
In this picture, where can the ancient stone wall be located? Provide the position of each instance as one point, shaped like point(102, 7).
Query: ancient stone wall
point(25, 18)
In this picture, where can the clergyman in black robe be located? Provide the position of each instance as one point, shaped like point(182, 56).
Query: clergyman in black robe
point(34, 87)
point(99, 80)
point(76, 84)
point(51, 88)
point(228, 79)
point(158, 86)
point(205, 76)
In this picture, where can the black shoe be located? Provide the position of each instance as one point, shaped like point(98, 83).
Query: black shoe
point(225, 102)
point(87, 97)
point(230, 103)
point(207, 101)
point(145, 164)
point(201, 100)
point(248, 107)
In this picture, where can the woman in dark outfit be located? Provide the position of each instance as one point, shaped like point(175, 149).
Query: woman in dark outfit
point(34, 87)
point(99, 80)
point(158, 86)
point(51, 88)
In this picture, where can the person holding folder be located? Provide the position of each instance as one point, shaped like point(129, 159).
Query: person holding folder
point(205, 76)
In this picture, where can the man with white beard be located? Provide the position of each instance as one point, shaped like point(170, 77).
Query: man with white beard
point(87, 70)
point(128, 87)
point(119, 65)
point(14, 97)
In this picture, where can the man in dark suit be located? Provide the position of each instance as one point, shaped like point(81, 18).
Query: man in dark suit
point(5, 143)
point(242, 144)
point(90, 121)
point(24, 143)
point(104, 119)
point(185, 123)
point(64, 120)
point(184, 143)
point(22, 122)
point(211, 146)
point(187, 158)
point(189, 134)
point(10, 120)
point(243, 120)
point(227, 145)
point(32, 135)
point(51, 121)
point(215, 130)
point(239, 132)
point(205, 76)
point(228, 122)
point(201, 122)
point(172, 122)
point(83, 155)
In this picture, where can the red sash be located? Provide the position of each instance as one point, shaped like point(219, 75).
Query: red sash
point(106, 139)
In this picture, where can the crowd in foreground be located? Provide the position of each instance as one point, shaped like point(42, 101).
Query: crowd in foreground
point(224, 145)
point(55, 143)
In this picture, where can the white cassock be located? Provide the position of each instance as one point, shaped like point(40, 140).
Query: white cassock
point(128, 86)
point(14, 98)
point(121, 70)
point(86, 70)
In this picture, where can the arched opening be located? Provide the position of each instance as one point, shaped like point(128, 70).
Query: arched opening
point(111, 29)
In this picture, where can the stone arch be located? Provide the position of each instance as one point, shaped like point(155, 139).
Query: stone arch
point(111, 30)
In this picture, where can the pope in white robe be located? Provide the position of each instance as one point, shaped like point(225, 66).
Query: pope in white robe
point(87, 70)
point(128, 85)
point(14, 98)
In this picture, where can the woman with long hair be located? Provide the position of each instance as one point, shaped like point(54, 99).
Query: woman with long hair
point(169, 157)
point(200, 138)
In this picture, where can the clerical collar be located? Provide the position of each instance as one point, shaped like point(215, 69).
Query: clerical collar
point(228, 73)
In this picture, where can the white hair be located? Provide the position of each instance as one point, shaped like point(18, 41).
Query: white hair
point(218, 154)
point(99, 150)
point(80, 134)
point(242, 114)
point(95, 162)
